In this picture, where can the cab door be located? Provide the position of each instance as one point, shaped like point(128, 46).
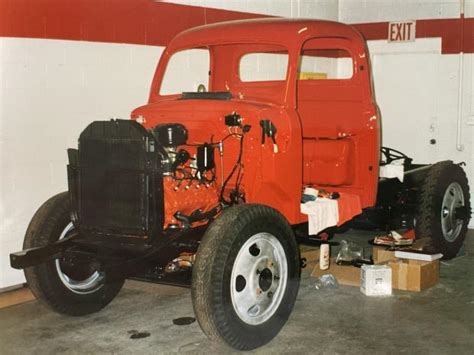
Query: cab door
point(338, 117)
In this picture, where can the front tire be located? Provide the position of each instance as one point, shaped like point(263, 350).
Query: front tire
point(444, 209)
point(246, 276)
point(68, 289)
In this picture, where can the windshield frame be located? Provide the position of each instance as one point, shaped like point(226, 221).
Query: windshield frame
point(233, 67)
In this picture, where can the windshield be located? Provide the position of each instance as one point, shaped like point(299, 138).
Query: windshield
point(256, 71)
point(187, 71)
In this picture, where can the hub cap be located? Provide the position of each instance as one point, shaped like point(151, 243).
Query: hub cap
point(259, 278)
point(450, 224)
point(78, 281)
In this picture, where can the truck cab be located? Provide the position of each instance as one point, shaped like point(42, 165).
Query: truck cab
point(311, 83)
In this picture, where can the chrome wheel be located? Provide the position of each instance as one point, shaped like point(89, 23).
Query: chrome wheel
point(78, 281)
point(259, 277)
point(453, 199)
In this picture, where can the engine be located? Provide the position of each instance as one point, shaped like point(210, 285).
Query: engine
point(189, 179)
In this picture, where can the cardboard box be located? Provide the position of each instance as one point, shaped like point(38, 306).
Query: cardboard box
point(311, 255)
point(382, 255)
point(345, 275)
point(414, 275)
point(376, 280)
point(408, 275)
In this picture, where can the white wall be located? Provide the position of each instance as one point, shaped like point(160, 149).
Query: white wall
point(50, 90)
point(364, 11)
point(321, 9)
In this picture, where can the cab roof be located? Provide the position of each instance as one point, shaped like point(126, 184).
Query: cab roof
point(286, 32)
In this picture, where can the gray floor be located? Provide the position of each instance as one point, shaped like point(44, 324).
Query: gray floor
point(437, 321)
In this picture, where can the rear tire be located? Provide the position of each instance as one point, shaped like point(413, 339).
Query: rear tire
point(440, 219)
point(246, 276)
point(77, 290)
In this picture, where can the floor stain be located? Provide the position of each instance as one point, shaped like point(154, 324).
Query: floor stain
point(184, 320)
point(135, 334)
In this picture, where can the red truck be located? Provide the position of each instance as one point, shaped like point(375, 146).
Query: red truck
point(203, 186)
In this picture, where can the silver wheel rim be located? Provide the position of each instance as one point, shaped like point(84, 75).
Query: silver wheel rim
point(450, 224)
point(89, 285)
point(259, 278)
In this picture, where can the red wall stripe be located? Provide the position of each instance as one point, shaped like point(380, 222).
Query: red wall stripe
point(117, 21)
point(156, 23)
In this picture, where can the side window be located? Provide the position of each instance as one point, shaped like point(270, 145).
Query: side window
point(324, 64)
point(186, 71)
point(263, 66)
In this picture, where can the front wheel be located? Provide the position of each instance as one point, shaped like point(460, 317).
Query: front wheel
point(64, 285)
point(246, 276)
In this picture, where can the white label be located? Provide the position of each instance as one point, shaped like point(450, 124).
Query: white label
point(402, 31)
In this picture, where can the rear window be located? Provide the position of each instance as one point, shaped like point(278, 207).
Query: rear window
point(264, 66)
point(325, 64)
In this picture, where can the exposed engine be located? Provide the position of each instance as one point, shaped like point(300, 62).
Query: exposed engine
point(192, 193)
point(189, 177)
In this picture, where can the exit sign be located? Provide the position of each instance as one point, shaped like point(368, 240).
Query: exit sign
point(401, 31)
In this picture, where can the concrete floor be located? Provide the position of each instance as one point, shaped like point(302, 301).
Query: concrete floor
point(437, 321)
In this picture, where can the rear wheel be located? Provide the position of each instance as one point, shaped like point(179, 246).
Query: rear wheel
point(65, 285)
point(246, 276)
point(444, 209)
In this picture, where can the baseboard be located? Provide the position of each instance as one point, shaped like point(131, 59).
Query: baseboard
point(15, 296)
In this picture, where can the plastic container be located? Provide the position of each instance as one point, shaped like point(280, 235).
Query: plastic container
point(325, 282)
point(324, 257)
